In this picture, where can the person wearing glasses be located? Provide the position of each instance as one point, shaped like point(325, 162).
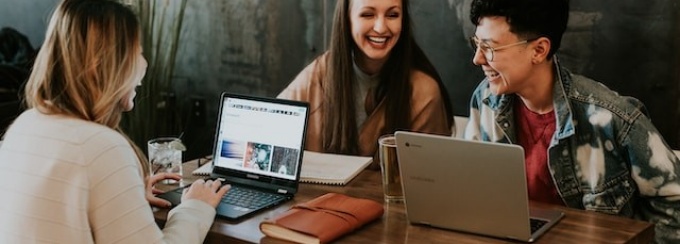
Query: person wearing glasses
point(585, 146)
point(373, 80)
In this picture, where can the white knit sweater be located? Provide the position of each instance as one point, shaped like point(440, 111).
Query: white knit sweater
point(66, 180)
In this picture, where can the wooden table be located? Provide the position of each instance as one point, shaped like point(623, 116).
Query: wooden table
point(577, 226)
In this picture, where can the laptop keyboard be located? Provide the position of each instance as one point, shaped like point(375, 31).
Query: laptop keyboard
point(248, 198)
point(536, 224)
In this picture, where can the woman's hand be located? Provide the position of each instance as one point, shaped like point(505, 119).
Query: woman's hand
point(210, 191)
point(151, 190)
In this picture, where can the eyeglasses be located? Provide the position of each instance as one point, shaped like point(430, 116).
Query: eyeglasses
point(489, 51)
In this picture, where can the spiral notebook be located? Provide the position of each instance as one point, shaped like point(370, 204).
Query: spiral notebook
point(331, 169)
point(204, 170)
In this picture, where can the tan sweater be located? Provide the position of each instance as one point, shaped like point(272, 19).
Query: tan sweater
point(66, 180)
point(428, 113)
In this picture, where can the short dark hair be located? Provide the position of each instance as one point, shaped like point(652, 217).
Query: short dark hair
point(527, 18)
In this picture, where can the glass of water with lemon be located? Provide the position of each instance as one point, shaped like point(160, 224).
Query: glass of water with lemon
point(165, 155)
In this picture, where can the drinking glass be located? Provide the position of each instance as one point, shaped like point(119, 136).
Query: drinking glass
point(389, 166)
point(165, 155)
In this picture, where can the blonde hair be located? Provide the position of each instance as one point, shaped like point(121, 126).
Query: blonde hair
point(85, 66)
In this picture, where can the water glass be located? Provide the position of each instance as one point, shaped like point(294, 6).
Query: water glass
point(389, 166)
point(165, 156)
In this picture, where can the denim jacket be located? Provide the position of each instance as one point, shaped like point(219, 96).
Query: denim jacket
point(605, 155)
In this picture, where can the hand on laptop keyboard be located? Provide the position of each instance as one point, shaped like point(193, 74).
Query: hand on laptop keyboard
point(209, 191)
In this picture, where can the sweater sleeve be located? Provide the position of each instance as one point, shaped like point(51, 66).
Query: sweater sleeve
point(428, 109)
point(119, 212)
point(192, 217)
point(307, 87)
point(300, 88)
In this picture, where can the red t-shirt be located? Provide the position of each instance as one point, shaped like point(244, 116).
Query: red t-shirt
point(534, 132)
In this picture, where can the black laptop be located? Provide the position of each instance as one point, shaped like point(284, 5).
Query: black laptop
point(258, 149)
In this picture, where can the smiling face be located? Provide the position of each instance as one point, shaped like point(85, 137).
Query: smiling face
point(135, 80)
point(376, 27)
point(511, 68)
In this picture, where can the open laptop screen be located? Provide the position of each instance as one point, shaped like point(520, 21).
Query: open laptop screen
point(260, 136)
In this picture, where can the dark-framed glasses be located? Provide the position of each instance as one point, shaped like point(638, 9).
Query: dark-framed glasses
point(489, 51)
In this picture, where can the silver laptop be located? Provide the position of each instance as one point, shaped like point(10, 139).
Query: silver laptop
point(258, 149)
point(469, 186)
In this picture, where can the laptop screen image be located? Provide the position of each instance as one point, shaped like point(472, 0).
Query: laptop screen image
point(470, 186)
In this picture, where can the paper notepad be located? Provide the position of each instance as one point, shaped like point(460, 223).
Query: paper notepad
point(206, 169)
point(332, 169)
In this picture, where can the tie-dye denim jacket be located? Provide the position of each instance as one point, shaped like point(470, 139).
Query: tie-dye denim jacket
point(605, 155)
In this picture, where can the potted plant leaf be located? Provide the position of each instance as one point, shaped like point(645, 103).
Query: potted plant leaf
point(155, 112)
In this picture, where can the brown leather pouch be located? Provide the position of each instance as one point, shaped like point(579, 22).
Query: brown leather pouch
point(322, 219)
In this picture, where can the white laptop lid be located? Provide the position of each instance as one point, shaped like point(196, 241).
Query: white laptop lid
point(471, 186)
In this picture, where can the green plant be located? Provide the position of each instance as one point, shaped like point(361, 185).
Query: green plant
point(155, 112)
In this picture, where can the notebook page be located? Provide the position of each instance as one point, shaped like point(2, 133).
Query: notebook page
point(334, 169)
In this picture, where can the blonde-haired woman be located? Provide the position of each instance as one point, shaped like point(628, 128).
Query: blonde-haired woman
point(67, 172)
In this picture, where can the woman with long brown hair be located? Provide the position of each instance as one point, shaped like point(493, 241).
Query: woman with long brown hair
point(67, 171)
point(373, 80)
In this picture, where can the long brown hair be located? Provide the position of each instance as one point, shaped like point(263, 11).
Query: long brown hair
point(340, 132)
point(85, 65)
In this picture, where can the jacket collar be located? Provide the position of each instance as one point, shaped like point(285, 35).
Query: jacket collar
point(565, 124)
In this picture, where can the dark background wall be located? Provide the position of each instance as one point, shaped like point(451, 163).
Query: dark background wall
point(257, 47)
